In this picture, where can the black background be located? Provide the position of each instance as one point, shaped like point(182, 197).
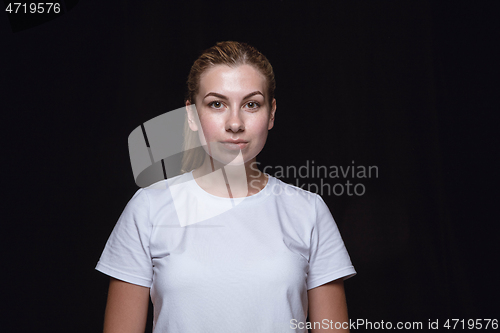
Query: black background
point(409, 87)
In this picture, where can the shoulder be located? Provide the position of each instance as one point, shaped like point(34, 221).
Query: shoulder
point(161, 190)
point(291, 194)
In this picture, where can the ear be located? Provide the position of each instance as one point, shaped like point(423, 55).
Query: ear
point(190, 109)
point(272, 114)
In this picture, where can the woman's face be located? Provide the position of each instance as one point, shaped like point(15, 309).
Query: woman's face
point(234, 112)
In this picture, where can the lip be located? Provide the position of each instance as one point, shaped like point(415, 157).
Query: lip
point(235, 144)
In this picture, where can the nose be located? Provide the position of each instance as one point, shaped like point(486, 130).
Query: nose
point(234, 122)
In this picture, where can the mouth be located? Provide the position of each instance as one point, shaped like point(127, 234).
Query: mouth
point(234, 144)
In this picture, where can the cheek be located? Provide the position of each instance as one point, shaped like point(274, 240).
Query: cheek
point(210, 127)
point(261, 129)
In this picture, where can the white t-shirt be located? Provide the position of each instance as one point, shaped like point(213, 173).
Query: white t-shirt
point(243, 268)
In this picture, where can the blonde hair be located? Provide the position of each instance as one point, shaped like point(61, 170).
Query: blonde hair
point(228, 53)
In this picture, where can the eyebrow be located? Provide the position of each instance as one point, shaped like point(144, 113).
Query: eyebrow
point(224, 97)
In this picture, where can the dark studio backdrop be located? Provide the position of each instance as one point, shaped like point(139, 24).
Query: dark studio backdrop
point(408, 87)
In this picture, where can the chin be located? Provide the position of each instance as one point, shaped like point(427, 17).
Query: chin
point(230, 159)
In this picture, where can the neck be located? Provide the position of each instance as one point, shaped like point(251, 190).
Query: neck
point(238, 181)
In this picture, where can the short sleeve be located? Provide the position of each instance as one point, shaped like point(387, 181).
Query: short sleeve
point(328, 258)
point(126, 255)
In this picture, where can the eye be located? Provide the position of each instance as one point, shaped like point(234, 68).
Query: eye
point(253, 105)
point(216, 104)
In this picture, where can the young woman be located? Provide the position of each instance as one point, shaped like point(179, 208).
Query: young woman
point(224, 247)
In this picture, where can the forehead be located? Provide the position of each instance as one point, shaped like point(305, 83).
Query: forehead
point(225, 79)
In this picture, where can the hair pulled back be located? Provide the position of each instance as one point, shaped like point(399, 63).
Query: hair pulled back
point(231, 54)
